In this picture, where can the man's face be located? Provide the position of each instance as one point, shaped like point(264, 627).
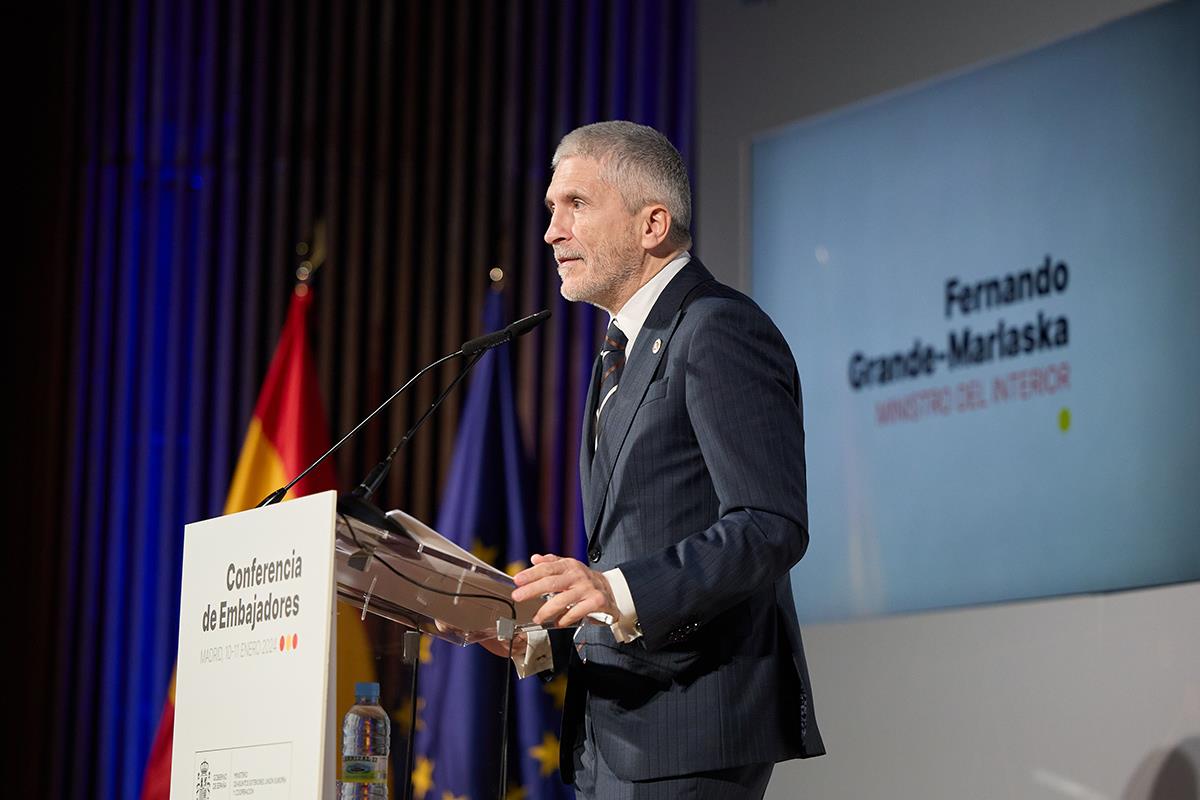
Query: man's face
point(595, 239)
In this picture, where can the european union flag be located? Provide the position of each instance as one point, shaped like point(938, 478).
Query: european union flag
point(485, 510)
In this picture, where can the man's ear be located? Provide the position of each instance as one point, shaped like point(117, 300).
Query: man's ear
point(656, 226)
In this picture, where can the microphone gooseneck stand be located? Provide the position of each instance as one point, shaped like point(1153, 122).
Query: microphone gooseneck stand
point(357, 504)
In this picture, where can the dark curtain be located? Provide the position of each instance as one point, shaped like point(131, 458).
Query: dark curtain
point(188, 148)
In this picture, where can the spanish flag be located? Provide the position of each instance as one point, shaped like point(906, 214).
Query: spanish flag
point(286, 434)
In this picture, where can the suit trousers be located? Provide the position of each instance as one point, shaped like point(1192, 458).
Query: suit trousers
point(594, 780)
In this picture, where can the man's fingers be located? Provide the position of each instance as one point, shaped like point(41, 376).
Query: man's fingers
point(499, 648)
point(550, 584)
point(542, 568)
point(591, 602)
point(547, 577)
point(572, 588)
point(573, 606)
point(557, 606)
point(493, 647)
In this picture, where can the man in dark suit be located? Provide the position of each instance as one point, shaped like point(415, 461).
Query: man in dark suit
point(688, 674)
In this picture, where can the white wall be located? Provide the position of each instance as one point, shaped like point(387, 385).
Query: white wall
point(1086, 697)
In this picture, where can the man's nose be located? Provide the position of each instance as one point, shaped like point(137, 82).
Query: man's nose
point(556, 231)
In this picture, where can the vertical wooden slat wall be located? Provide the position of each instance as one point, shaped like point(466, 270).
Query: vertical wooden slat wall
point(204, 141)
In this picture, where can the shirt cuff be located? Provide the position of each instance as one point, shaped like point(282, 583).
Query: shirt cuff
point(626, 628)
point(538, 657)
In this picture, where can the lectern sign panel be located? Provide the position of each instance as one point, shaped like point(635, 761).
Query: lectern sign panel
point(254, 643)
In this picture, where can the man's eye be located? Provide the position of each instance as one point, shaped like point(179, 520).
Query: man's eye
point(577, 203)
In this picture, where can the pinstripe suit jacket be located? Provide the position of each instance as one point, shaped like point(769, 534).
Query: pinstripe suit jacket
point(696, 490)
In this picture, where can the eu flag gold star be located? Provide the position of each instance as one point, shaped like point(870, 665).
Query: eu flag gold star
point(403, 715)
point(448, 795)
point(422, 777)
point(483, 552)
point(556, 687)
point(425, 653)
point(517, 792)
point(546, 754)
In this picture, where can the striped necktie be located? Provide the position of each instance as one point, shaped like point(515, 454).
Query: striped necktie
point(612, 363)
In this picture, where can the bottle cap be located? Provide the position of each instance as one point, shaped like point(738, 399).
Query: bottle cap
point(364, 689)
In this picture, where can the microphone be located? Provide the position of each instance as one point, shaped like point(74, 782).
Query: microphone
point(497, 338)
point(474, 347)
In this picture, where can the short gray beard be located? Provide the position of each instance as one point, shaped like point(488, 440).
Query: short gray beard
point(614, 268)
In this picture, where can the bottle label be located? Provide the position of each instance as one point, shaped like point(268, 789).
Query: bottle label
point(367, 769)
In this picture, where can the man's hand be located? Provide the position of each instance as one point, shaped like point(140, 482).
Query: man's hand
point(495, 646)
point(575, 589)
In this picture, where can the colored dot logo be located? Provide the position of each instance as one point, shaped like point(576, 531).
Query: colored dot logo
point(287, 643)
point(1064, 419)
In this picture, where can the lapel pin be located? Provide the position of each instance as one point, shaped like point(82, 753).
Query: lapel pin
point(657, 345)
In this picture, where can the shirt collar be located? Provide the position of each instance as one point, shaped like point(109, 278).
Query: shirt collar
point(632, 315)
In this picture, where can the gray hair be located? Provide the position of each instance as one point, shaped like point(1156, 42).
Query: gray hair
point(641, 164)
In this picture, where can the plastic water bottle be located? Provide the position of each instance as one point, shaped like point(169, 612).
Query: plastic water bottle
point(366, 736)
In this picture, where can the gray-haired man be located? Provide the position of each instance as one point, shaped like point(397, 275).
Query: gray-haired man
point(692, 473)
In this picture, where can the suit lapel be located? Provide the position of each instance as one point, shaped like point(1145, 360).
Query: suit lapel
point(586, 437)
point(643, 362)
